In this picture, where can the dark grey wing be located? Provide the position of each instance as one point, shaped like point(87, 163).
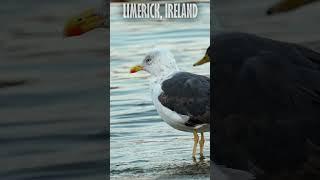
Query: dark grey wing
point(188, 94)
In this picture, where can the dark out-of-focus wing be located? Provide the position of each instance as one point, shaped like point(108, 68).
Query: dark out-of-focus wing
point(267, 102)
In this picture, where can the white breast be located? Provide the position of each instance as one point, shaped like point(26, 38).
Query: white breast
point(172, 118)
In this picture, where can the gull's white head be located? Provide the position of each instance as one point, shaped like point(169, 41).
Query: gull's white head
point(158, 62)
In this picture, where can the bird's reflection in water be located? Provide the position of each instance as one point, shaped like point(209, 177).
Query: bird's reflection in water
point(200, 160)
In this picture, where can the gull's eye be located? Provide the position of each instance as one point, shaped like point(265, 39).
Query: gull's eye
point(148, 61)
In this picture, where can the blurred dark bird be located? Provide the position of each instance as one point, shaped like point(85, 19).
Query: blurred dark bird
point(88, 20)
point(266, 106)
point(287, 5)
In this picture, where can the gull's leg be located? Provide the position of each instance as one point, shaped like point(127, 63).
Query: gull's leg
point(201, 144)
point(196, 140)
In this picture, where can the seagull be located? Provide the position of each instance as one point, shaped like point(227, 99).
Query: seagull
point(88, 20)
point(267, 106)
point(182, 99)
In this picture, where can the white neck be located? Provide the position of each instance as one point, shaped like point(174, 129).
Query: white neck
point(163, 75)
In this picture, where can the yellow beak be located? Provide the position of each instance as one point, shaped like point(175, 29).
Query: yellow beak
point(84, 22)
point(205, 59)
point(136, 69)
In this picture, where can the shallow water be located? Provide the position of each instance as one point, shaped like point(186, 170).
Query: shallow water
point(142, 145)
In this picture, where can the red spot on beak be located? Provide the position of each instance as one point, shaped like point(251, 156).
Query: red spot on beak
point(73, 31)
point(136, 69)
point(133, 71)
